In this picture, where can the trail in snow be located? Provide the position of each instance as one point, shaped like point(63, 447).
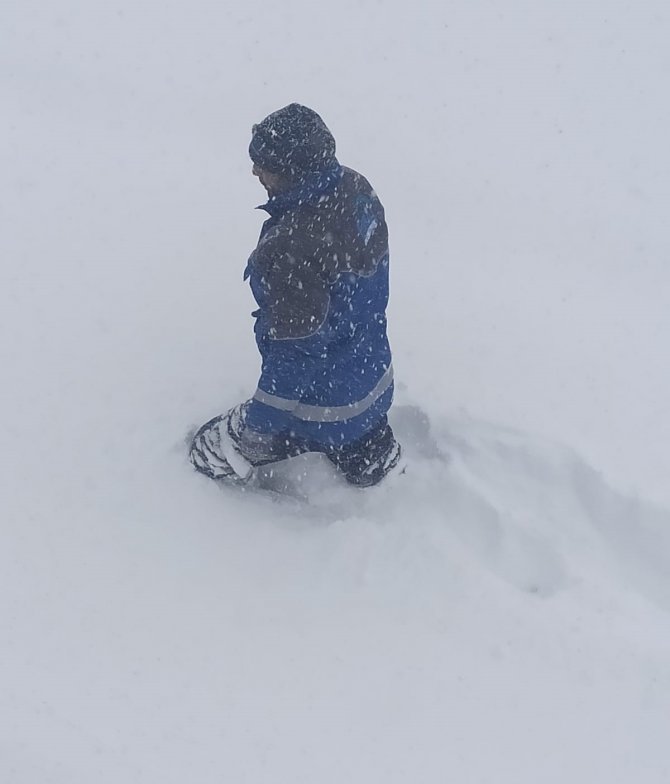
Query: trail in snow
point(531, 512)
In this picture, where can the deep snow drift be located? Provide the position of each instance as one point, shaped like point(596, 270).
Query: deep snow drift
point(497, 614)
point(159, 628)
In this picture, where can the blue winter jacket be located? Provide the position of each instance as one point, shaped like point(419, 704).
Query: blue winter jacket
point(320, 276)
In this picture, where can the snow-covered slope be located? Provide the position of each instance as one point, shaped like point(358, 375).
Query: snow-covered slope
point(499, 613)
point(502, 617)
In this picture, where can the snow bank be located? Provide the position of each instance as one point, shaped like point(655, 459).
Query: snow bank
point(496, 614)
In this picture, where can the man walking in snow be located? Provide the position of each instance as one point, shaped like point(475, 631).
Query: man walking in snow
point(319, 275)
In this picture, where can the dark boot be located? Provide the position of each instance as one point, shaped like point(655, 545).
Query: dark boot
point(367, 461)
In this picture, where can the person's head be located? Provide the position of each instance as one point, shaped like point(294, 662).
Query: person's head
point(290, 144)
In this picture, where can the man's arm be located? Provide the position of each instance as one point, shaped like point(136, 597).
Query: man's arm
point(293, 333)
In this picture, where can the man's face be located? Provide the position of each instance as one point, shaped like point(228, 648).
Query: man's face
point(270, 181)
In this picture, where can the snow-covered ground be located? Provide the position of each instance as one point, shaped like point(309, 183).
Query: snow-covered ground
point(500, 617)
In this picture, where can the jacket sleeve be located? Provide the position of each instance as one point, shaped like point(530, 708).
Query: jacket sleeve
point(292, 334)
